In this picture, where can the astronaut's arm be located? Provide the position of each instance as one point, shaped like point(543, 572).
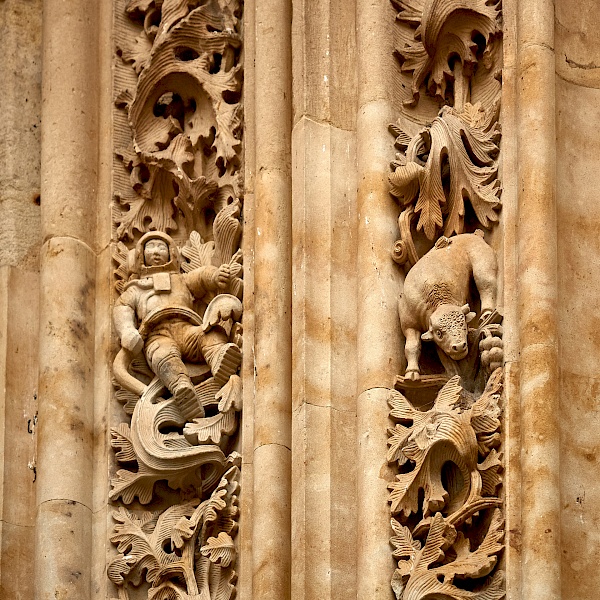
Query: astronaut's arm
point(207, 279)
point(124, 320)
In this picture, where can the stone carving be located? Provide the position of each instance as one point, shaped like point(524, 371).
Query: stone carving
point(452, 480)
point(452, 48)
point(445, 444)
point(185, 116)
point(185, 552)
point(177, 232)
point(451, 160)
point(155, 313)
point(433, 305)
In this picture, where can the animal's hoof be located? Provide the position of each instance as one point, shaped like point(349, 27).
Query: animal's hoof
point(413, 375)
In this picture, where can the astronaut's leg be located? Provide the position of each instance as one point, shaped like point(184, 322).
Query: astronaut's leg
point(164, 357)
point(223, 357)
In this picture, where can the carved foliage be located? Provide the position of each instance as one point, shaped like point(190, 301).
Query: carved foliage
point(186, 552)
point(185, 116)
point(450, 38)
point(447, 516)
point(452, 160)
point(182, 168)
point(446, 490)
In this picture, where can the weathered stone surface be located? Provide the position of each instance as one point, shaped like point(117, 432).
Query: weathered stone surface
point(149, 124)
point(20, 131)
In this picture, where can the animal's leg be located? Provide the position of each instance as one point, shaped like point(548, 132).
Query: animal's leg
point(412, 350)
point(485, 273)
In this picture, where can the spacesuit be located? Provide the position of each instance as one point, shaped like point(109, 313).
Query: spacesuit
point(161, 304)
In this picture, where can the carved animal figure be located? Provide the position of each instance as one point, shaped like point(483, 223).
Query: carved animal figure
point(433, 306)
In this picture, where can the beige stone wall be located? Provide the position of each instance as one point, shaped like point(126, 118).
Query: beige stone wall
point(578, 178)
point(20, 132)
point(20, 241)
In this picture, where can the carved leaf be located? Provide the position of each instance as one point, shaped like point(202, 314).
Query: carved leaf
point(227, 231)
point(127, 399)
point(144, 549)
point(434, 437)
point(446, 29)
point(194, 196)
point(404, 544)
point(398, 436)
point(440, 536)
point(220, 549)
point(472, 175)
point(120, 254)
point(210, 430)
point(489, 470)
point(230, 395)
point(403, 410)
point(405, 183)
point(481, 561)
point(138, 53)
point(136, 552)
point(127, 485)
point(198, 253)
point(485, 414)
point(121, 439)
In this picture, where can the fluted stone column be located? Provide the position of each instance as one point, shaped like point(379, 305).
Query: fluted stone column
point(537, 239)
point(324, 301)
point(271, 538)
point(68, 260)
point(378, 330)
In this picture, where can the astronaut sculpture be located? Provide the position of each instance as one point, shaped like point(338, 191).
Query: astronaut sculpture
point(155, 314)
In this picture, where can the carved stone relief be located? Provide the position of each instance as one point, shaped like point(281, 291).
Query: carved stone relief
point(447, 516)
point(177, 318)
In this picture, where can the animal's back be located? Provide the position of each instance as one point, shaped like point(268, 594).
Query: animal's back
point(442, 276)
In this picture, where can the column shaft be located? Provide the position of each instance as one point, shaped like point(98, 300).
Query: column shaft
point(537, 232)
point(66, 384)
point(271, 539)
point(378, 335)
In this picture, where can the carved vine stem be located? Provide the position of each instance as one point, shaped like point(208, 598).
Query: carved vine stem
point(178, 199)
point(447, 516)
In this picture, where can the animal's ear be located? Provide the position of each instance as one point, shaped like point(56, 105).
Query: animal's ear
point(465, 309)
point(427, 336)
point(469, 317)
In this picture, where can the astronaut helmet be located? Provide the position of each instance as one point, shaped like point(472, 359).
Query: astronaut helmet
point(158, 261)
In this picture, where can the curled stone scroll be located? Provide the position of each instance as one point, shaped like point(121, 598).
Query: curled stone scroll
point(179, 277)
point(446, 409)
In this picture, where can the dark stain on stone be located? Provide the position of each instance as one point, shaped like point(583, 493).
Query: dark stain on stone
point(587, 66)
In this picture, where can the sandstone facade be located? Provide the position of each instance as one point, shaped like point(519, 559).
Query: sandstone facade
point(299, 299)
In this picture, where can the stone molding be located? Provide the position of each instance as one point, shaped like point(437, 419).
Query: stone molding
point(445, 445)
point(176, 215)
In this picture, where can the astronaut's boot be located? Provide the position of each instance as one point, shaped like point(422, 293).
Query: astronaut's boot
point(224, 361)
point(187, 401)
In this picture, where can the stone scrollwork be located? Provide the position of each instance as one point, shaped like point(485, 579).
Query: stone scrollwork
point(445, 443)
point(179, 277)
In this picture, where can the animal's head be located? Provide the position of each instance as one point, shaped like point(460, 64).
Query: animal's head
point(448, 329)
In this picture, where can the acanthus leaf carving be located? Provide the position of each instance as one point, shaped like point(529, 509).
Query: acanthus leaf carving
point(445, 442)
point(184, 552)
point(177, 231)
point(446, 43)
point(452, 160)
